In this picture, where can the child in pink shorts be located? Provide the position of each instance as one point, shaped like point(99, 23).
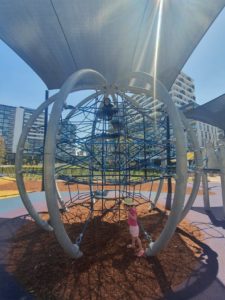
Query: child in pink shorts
point(133, 226)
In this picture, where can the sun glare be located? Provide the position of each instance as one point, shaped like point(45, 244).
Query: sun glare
point(157, 44)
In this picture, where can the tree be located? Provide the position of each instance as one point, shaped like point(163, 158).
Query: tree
point(2, 150)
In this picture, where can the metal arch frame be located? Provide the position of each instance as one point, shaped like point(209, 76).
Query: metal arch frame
point(181, 167)
point(199, 166)
point(18, 165)
point(82, 102)
point(221, 156)
point(49, 160)
point(89, 166)
point(70, 248)
point(19, 159)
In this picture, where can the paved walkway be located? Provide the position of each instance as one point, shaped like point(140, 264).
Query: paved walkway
point(206, 283)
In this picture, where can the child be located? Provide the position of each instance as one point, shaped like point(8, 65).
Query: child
point(133, 226)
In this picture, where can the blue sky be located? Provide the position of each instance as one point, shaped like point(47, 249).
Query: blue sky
point(20, 86)
point(207, 63)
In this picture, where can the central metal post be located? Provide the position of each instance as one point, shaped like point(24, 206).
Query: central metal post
point(168, 159)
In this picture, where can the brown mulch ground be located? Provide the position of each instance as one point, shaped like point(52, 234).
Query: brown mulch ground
point(108, 270)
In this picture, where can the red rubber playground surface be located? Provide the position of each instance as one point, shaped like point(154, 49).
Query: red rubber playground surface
point(206, 282)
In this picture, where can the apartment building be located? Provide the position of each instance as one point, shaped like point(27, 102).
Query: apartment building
point(183, 95)
point(12, 121)
point(7, 125)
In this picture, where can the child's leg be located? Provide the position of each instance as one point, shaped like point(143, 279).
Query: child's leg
point(133, 241)
point(140, 251)
point(139, 244)
point(132, 245)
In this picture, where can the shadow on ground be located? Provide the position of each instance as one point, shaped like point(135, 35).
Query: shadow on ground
point(215, 215)
point(202, 284)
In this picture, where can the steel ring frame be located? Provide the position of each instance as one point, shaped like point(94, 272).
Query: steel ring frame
point(70, 248)
point(19, 161)
point(49, 160)
point(162, 94)
point(198, 163)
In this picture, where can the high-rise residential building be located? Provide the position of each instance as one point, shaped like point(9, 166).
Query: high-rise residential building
point(183, 95)
point(66, 141)
point(206, 134)
point(7, 125)
point(183, 90)
point(36, 134)
point(12, 121)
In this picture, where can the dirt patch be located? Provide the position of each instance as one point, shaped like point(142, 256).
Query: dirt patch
point(108, 270)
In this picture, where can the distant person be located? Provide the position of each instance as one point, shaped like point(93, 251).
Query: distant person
point(133, 227)
point(106, 110)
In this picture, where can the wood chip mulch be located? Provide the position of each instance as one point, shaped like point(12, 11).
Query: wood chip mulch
point(35, 185)
point(108, 269)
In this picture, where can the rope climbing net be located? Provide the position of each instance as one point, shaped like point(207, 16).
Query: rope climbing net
point(103, 150)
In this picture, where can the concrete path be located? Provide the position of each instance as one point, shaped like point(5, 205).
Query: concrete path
point(206, 283)
point(10, 289)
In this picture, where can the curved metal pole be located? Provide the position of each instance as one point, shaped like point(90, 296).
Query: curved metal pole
point(19, 174)
point(82, 102)
point(91, 165)
point(221, 154)
point(181, 167)
point(161, 182)
point(199, 166)
point(70, 114)
point(205, 187)
point(19, 161)
point(49, 160)
point(160, 186)
point(59, 197)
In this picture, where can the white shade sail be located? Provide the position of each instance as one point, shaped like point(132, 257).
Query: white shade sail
point(116, 37)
